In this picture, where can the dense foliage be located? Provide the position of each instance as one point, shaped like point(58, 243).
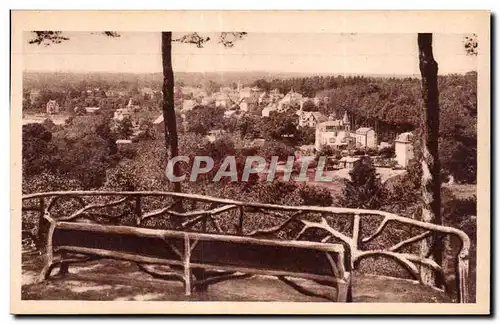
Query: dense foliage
point(364, 188)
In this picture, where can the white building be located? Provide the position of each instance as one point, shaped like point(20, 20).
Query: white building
point(332, 133)
point(122, 113)
point(403, 146)
point(270, 108)
point(365, 137)
point(249, 104)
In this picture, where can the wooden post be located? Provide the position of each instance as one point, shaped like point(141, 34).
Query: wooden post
point(355, 239)
point(43, 225)
point(64, 267)
point(200, 274)
point(49, 254)
point(463, 278)
point(344, 290)
point(187, 265)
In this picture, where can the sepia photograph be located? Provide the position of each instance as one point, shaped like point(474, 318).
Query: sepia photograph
point(320, 168)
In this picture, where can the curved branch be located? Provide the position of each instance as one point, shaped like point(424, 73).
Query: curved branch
point(53, 200)
point(210, 212)
point(94, 206)
point(303, 290)
point(220, 278)
point(324, 225)
point(413, 239)
point(51, 203)
point(170, 275)
point(377, 232)
point(269, 212)
point(276, 228)
point(159, 211)
point(402, 258)
point(194, 221)
point(326, 238)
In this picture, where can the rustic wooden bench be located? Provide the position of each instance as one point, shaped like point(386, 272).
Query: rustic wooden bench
point(200, 259)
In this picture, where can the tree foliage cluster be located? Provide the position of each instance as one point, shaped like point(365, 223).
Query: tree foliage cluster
point(92, 92)
point(81, 150)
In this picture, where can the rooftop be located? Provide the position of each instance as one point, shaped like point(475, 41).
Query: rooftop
point(363, 130)
point(405, 137)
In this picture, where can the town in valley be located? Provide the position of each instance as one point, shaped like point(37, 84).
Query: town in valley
point(102, 118)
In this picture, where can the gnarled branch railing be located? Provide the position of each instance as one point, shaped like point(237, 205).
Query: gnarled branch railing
point(288, 218)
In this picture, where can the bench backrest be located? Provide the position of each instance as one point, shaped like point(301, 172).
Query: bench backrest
point(205, 249)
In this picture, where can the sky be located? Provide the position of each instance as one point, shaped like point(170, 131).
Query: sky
point(324, 53)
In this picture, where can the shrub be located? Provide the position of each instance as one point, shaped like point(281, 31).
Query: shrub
point(364, 189)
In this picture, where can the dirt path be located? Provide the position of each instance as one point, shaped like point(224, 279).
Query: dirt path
point(117, 280)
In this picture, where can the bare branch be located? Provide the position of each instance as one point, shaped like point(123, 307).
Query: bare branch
point(399, 257)
point(193, 38)
point(324, 225)
point(159, 211)
point(470, 44)
point(302, 290)
point(94, 206)
point(111, 34)
point(228, 39)
point(222, 277)
point(409, 241)
point(276, 228)
point(380, 228)
point(164, 275)
point(47, 37)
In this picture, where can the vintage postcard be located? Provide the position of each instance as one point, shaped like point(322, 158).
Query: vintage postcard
point(225, 162)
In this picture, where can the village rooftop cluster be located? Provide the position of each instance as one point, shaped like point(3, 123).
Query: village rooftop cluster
point(237, 101)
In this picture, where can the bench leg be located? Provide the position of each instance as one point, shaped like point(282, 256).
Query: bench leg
point(187, 266)
point(200, 274)
point(187, 281)
point(344, 291)
point(64, 266)
point(47, 270)
point(50, 264)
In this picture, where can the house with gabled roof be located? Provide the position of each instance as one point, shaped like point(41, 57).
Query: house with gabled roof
point(365, 137)
point(249, 103)
point(310, 118)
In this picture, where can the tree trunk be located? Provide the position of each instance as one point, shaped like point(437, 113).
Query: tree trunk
point(169, 120)
point(431, 184)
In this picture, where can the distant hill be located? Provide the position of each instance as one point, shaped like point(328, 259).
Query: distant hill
point(35, 79)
